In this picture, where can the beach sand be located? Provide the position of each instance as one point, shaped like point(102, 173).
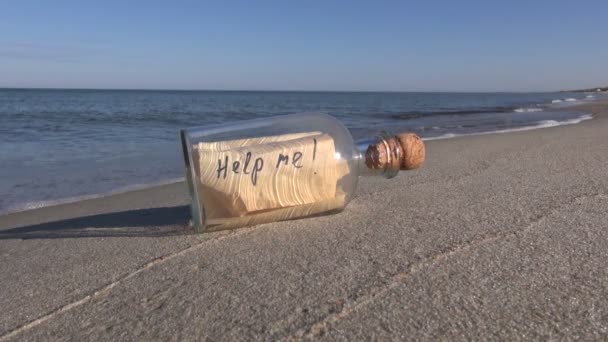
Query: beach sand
point(499, 236)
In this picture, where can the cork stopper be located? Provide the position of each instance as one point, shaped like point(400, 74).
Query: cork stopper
point(402, 152)
point(412, 151)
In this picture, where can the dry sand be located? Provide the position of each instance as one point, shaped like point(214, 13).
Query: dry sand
point(498, 236)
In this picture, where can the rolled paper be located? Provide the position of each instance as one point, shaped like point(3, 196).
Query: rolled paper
point(252, 177)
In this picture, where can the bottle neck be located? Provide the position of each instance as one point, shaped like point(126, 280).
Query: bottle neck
point(379, 156)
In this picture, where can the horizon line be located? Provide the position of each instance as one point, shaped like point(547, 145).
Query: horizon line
point(292, 91)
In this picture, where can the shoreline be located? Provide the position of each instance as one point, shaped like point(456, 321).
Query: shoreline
point(585, 116)
point(62, 201)
point(595, 109)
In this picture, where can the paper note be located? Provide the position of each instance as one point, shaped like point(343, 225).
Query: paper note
point(255, 176)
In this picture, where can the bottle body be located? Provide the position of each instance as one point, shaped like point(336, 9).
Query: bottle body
point(269, 169)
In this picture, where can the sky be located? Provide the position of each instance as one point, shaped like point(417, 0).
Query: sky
point(329, 45)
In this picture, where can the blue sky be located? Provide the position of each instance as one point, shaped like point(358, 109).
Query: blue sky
point(305, 45)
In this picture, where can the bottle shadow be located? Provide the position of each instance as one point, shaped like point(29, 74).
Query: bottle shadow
point(152, 222)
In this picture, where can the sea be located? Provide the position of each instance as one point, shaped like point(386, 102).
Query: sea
point(60, 145)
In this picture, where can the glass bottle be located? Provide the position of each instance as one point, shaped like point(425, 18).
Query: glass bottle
point(284, 167)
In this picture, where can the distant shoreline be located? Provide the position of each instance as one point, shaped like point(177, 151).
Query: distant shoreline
point(588, 90)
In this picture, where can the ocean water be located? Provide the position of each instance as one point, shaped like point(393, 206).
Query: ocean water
point(62, 145)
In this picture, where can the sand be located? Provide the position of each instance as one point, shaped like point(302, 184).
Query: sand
point(497, 237)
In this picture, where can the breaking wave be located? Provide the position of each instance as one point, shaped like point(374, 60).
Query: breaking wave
point(528, 110)
point(539, 124)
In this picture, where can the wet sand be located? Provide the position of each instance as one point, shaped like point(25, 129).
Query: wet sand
point(498, 236)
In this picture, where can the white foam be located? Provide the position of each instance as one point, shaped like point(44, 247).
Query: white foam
point(589, 96)
point(571, 99)
point(528, 110)
point(540, 124)
point(444, 136)
point(54, 202)
point(556, 101)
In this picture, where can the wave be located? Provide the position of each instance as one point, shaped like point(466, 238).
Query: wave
point(571, 99)
point(528, 110)
point(556, 101)
point(53, 202)
point(539, 124)
point(419, 114)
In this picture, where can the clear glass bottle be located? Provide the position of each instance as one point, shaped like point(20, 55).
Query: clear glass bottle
point(283, 167)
